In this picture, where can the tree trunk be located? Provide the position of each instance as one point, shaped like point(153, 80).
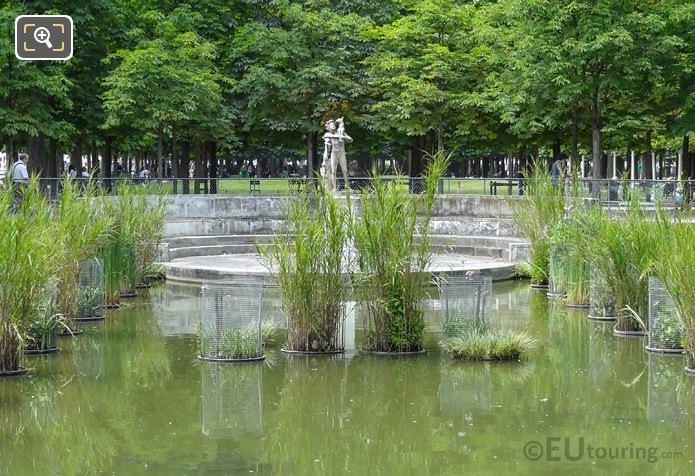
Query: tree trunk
point(93, 156)
point(37, 157)
point(160, 164)
point(440, 137)
point(212, 148)
point(11, 153)
point(76, 156)
point(647, 162)
point(417, 156)
point(364, 164)
point(685, 157)
point(557, 150)
point(574, 153)
point(52, 165)
point(198, 167)
point(185, 165)
point(106, 160)
point(311, 161)
point(596, 156)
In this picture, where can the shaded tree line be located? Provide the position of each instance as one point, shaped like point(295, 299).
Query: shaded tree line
point(215, 83)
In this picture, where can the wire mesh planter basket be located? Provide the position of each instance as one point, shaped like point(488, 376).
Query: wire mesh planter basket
point(232, 400)
point(90, 294)
point(557, 276)
point(42, 332)
point(465, 304)
point(326, 337)
point(602, 303)
point(665, 331)
point(230, 325)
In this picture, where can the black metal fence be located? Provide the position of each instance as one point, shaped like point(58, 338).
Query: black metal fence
point(604, 190)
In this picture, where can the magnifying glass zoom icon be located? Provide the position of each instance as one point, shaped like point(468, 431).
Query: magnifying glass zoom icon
point(42, 35)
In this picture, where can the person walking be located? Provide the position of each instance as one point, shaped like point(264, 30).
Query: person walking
point(19, 175)
point(557, 170)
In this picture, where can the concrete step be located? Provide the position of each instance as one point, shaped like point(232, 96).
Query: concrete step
point(209, 240)
point(449, 225)
point(490, 246)
point(473, 226)
point(221, 226)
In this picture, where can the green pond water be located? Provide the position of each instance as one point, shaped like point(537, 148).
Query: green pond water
point(130, 397)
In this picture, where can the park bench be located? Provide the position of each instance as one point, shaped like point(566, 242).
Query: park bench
point(504, 183)
point(254, 186)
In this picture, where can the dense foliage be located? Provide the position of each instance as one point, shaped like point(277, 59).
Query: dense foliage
point(158, 80)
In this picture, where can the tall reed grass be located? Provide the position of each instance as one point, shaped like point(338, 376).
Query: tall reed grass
point(28, 246)
point(81, 229)
point(135, 236)
point(622, 248)
point(392, 274)
point(569, 270)
point(674, 265)
point(308, 259)
point(540, 209)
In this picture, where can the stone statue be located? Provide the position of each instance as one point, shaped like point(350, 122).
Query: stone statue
point(334, 153)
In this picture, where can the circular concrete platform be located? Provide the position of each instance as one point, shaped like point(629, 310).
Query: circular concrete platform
point(224, 267)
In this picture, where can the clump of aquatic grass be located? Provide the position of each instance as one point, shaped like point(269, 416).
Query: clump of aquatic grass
point(131, 247)
point(307, 259)
point(577, 281)
point(493, 345)
point(392, 276)
point(88, 300)
point(41, 330)
point(569, 269)
point(674, 265)
point(602, 301)
point(622, 249)
point(460, 324)
point(28, 247)
point(268, 331)
point(232, 344)
point(541, 207)
point(81, 229)
point(235, 343)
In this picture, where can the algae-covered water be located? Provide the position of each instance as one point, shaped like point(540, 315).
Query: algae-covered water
point(130, 397)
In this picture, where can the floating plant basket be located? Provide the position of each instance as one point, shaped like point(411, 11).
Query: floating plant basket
point(50, 350)
point(13, 373)
point(90, 295)
point(230, 327)
point(602, 303)
point(406, 353)
point(89, 319)
point(464, 304)
point(72, 333)
point(665, 331)
point(620, 333)
point(130, 293)
point(312, 352)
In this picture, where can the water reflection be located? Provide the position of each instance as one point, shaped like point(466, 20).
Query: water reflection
point(665, 379)
point(88, 355)
point(464, 388)
point(125, 398)
point(232, 399)
point(177, 308)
